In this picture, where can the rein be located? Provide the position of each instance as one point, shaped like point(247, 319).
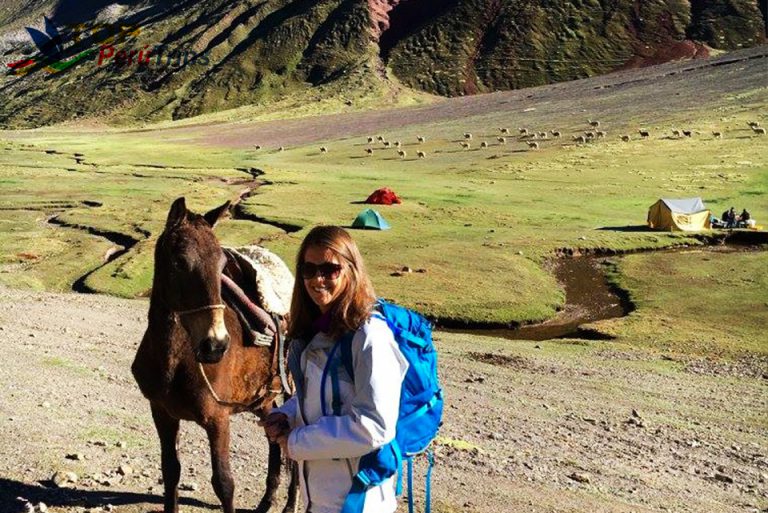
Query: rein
point(277, 373)
point(277, 367)
point(259, 397)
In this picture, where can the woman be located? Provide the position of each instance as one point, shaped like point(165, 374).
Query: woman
point(333, 298)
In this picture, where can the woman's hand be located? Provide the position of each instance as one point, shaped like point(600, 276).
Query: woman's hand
point(275, 426)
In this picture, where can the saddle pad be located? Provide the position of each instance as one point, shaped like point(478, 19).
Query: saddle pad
point(269, 276)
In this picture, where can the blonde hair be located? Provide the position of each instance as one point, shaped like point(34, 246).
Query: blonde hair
point(354, 304)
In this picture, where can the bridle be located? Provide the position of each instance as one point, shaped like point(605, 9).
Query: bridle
point(277, 385)
point(216, 306)
point(267, 390)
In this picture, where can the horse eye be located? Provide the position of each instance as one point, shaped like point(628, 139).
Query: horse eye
point(181, 264)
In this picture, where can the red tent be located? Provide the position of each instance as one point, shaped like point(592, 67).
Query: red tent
point(383, 196)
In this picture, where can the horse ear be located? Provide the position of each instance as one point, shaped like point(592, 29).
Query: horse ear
point(177, 214)
point(215, 215)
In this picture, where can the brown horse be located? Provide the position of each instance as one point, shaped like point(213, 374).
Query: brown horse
point(192, 363)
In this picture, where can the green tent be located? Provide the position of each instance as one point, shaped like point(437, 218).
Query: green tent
point(371, 220)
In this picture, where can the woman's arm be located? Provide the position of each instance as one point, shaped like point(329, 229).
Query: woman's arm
point(379, 369)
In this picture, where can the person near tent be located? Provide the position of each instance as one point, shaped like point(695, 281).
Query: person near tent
point(745, 219)
point(729, 218)
point(332, 296)
point(745, 216)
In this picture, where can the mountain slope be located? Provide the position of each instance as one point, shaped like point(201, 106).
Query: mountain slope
point(484, 45)
point(140, 61)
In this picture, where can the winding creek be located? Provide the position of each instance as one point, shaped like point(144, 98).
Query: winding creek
point(122, 243)
point(589, 296)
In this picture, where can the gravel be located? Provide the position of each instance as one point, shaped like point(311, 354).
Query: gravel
point(527, 428)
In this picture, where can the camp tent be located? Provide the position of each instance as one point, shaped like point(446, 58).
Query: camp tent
point(685, 214)
point(383, 196)
point(371, 220)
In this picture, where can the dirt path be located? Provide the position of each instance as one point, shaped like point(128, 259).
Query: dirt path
point(530, 426)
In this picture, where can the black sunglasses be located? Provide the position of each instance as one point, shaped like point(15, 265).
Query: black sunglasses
point(327, 270)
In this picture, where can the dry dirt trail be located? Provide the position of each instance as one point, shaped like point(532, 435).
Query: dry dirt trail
point(530, 426)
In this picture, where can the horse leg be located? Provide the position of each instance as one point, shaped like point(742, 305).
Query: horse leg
point(168, 431)
point(273, 478)
point(222, 481)
point(293, 488)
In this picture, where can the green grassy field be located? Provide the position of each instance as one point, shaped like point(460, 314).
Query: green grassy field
point(696, 302)
point(482, 226)
point(481, 222)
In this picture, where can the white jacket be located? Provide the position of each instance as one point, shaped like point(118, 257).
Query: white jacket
point(328, 448)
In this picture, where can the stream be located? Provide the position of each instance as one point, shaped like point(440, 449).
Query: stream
point(121, 245)
point(589, 297)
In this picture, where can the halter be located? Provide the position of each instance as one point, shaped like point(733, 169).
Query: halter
point(218, 306)
point(268, 391)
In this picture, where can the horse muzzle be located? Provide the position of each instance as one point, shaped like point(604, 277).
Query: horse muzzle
point(212, 349)
point(207, 328)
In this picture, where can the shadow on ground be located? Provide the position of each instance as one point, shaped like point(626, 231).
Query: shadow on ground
point(628, 228)
point(44, 492)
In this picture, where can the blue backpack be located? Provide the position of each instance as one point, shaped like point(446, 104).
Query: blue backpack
point(421, 405)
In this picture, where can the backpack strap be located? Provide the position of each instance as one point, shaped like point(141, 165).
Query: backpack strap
point(355, 501)
point(427, 484)
point(424, 408)
point(374, 468)
point(410, 484)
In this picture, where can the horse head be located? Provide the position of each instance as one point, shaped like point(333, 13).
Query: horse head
point(187, 280)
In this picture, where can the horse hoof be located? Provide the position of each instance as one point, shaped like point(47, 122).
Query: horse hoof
point(263, 507)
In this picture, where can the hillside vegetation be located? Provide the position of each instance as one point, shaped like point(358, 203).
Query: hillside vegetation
point(182, 59)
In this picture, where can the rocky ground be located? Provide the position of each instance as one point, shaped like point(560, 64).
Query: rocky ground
point(529, 426)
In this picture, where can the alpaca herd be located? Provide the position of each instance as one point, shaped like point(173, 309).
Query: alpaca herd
point(677, 133)
point(535, 139)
